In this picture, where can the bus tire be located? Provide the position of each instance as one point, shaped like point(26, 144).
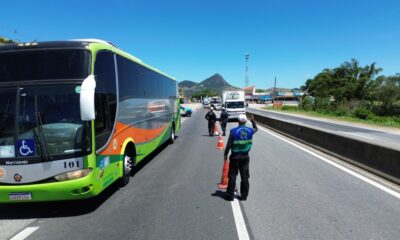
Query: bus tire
point(171, 139)
point(127, 166)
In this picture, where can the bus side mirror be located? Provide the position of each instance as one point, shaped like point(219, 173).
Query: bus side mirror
point(86, 100)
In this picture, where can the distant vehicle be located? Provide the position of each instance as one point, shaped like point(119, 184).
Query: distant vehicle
point(216, 103)
point(186, 111)
point(77, 116)
point(206, 102)
point(264, 99)
point(234, 103)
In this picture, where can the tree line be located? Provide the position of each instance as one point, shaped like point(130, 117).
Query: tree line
point(351, 88)
point(204, 93)
point(4, 40)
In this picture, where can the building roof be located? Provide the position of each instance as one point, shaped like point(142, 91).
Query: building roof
point(249, 90)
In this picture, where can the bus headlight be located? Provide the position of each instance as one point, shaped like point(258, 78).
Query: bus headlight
point(73, 174)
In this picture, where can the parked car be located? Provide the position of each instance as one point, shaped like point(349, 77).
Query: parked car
point(186, 111)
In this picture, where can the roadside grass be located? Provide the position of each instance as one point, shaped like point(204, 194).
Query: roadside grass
point(341, 116)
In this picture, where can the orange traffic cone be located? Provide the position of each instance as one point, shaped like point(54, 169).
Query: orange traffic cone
point(216, 130)
point(220, 144)
point(224, 177)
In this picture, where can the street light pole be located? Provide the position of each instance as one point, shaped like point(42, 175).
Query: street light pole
point(246, 57)
point(273, 98)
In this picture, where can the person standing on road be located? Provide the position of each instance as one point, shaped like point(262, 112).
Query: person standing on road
point(211, 118)
point(223, 119)
point(240, 141)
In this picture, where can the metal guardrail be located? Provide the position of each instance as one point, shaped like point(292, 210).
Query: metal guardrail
point(379, 160)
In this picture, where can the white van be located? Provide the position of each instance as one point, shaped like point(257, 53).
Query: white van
point(234, 103)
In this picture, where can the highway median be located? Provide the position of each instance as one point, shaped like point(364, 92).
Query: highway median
point(380, 160)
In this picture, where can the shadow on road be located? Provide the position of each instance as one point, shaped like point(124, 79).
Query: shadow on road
point(219, 193)
point(147, 159)
point(67, 208)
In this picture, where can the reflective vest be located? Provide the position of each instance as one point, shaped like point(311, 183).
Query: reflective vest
point(242, 139)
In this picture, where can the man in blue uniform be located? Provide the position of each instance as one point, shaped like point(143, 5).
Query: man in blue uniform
point(239, 142)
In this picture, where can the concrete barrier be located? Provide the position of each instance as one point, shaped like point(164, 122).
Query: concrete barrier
point(380, 160)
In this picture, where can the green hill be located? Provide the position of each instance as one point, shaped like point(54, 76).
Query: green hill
point(216, 84)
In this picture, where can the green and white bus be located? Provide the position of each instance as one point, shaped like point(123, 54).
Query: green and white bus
point(76, 116)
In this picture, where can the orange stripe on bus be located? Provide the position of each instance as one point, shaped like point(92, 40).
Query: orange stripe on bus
point(139, 135)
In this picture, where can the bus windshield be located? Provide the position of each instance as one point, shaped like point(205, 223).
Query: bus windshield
point(45, 123)
point(235, 105)
point(44, 64)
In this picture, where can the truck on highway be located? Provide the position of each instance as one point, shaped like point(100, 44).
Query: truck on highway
point(234, 103)
point(206, 102)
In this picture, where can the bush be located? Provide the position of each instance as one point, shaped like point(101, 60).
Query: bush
point(383, 110)
point(306, 103)
point(322, 103)
point(289, 108)
point(363, 113)
point(342, 112)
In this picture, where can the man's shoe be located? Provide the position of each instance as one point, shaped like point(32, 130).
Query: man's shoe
point(242, 198)
point(224, 134)
point(228, 197)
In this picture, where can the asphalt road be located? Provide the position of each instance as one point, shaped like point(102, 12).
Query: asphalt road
point(378, 137)
point(173, 195)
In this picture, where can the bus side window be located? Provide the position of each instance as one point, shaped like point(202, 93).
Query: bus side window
point(105, 97)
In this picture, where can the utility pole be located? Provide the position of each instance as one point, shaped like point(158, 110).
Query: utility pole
point(246, 57)
point(273, 98)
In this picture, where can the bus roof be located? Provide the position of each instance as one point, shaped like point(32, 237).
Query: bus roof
point(50, 44)
point(76, 43)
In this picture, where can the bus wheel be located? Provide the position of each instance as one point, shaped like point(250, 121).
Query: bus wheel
point(172, 136)
point(127, 169)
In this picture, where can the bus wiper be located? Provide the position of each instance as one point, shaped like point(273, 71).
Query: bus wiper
point(42, 141)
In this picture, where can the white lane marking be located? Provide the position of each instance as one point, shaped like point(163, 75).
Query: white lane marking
point(239, 221)
point(357, 135)
point(24, 233)
point(357, 175)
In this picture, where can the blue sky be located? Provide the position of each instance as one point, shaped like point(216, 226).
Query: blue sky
point(191, 40)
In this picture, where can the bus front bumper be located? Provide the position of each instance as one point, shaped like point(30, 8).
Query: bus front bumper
point(54, 191)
